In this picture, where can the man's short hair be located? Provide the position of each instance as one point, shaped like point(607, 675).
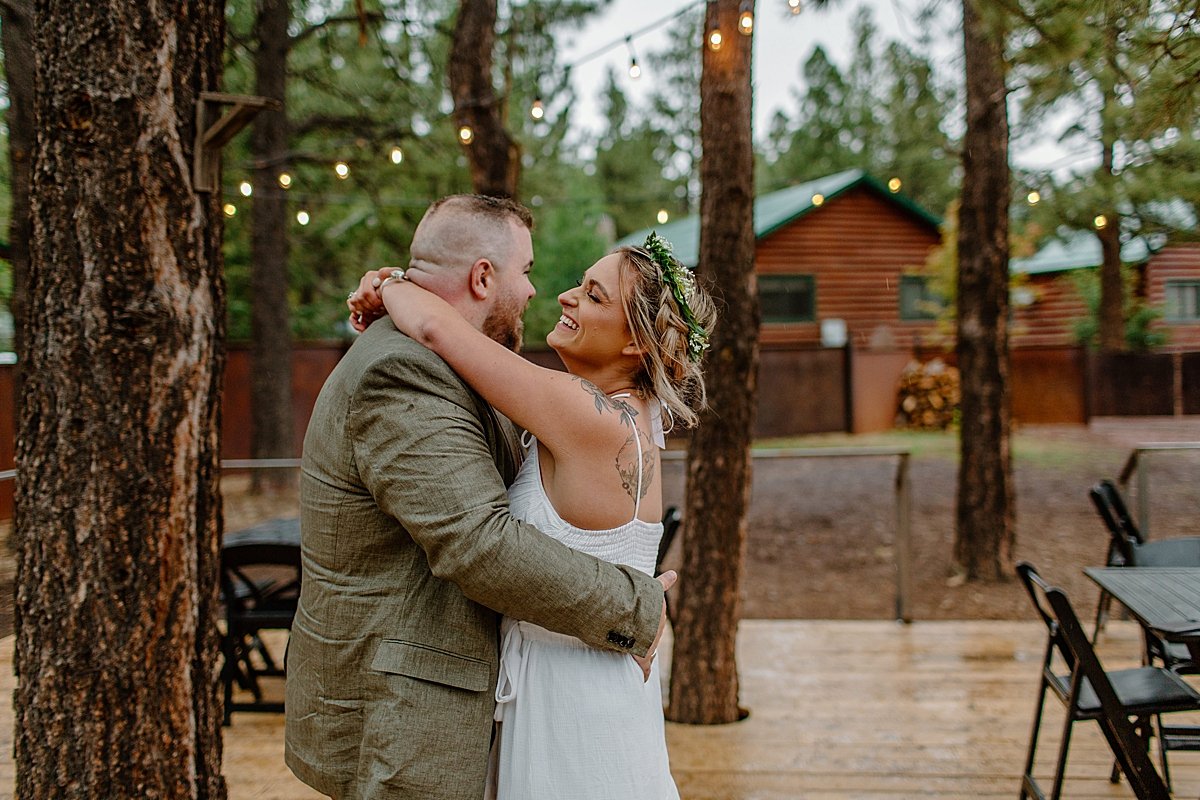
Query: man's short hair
point(498, 208)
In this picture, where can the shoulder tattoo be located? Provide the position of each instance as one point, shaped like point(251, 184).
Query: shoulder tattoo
point(627, 465)
point(604, 403)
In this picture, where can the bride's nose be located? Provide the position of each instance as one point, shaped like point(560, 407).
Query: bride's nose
point(567, 298)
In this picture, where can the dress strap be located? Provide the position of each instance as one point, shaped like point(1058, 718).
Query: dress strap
point(656, 433)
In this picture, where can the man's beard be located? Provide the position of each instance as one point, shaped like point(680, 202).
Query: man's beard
point(504, 324)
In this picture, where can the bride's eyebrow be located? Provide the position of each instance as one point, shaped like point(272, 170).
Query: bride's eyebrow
point(598, 286)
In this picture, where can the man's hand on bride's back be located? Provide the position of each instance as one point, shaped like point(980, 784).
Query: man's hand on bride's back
point(365, 302)
point(667, 579)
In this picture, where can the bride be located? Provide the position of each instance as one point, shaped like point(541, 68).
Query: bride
point(578, 722)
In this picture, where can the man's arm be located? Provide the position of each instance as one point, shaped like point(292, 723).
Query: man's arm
point(422, 452)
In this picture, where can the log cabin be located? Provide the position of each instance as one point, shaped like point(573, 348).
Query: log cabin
point(840, 260)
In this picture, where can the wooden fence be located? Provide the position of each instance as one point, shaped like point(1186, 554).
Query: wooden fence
point(802, 390)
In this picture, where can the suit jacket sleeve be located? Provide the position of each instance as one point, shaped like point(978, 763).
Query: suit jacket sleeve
point(423, 454)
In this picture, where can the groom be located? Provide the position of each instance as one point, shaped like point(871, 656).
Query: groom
point(409, 551)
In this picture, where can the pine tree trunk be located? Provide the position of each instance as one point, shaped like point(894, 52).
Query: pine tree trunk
point(494, 156)
point(274, 434)
point(1112, 288)
point(16, 27)
point(984, 523)
point(117, 512)
point(704, 676)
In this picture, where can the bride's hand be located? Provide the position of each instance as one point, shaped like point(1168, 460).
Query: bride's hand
point(365, 302)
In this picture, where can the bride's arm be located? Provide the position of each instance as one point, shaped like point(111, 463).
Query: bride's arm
point(555, 406)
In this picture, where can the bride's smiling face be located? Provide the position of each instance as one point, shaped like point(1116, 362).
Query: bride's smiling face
point(593, 327)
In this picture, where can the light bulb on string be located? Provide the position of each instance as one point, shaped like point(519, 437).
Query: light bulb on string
point(746, 18)
point(1101, 222)
point(537, 110)
point(342, 170)
point(795, 6)
point(894, 185)
point(246, 189)
point(715, 39)
point(397, 155)
point(663, 216)
point(818, 199)
point(230, 209)
point(465, 134)
point(635, 71)
point(285, 180)
point(302, 217)
point(1034, 197)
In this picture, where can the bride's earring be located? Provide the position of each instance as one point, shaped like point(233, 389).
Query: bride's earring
point(671, 418)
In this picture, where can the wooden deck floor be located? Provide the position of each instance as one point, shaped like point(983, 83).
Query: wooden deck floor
point(872, 710)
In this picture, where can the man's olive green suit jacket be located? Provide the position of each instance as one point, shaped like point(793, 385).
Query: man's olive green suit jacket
point(409, 556)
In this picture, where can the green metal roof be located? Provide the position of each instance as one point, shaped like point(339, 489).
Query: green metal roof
point(775, 210)
point(1078, 250)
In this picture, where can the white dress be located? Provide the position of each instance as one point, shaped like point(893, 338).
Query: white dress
point(577, 723)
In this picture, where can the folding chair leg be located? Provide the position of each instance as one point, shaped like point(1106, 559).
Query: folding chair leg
point(1060, 770)
point(1033, 739)
point(1162, 753)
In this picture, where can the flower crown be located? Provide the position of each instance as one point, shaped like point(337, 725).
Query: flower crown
point(682, 284)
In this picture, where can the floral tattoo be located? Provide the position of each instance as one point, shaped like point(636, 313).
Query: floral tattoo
point(626, 461)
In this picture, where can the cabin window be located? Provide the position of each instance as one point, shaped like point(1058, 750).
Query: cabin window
point(787, 298)
point(917, 298)
point(1183, 301)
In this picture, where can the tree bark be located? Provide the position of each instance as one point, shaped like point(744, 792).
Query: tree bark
point(16, 28)
point(704, 677)
point(984, 522)
point(117, 512)
point(274, 434)
point(494, 156)
point(1112, 289)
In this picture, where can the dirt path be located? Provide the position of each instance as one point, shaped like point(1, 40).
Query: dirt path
point(821, 531)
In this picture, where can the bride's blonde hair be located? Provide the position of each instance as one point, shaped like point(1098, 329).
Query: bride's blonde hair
point(672, 336)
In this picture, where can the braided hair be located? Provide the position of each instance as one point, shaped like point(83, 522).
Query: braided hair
point(671, 369)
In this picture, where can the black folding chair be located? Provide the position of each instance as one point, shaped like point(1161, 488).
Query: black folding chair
point(1111, 698)
point(1127, 547)
point(672, 518)
point(260, 587)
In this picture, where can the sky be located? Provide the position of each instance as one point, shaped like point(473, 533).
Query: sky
point(782, 42)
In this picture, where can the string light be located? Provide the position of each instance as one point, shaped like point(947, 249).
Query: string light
point(1034, 197)
point(302, 217)
point(246, 189)
point(1101, 222)
point(537, 110)
point(635, 71)
point(663, 216)
point(894, 185)
point(818, 199)
point(230, 209)
point(715, 39)
point(342, 169)
point(397, 155)
point(746, 18)
point(465, 134)
point(794, 6)
point(285, 180)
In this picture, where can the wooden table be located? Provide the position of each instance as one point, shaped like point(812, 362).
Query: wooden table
point(1165, 600)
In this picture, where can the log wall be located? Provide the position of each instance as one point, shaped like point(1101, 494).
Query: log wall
point(856, 246)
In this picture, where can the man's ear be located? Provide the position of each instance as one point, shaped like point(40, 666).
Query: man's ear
point(482, 278)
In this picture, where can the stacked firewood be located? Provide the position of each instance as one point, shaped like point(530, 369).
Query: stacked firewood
point(928, 396)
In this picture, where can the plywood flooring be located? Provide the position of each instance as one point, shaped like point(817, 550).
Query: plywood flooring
point(872, 710)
